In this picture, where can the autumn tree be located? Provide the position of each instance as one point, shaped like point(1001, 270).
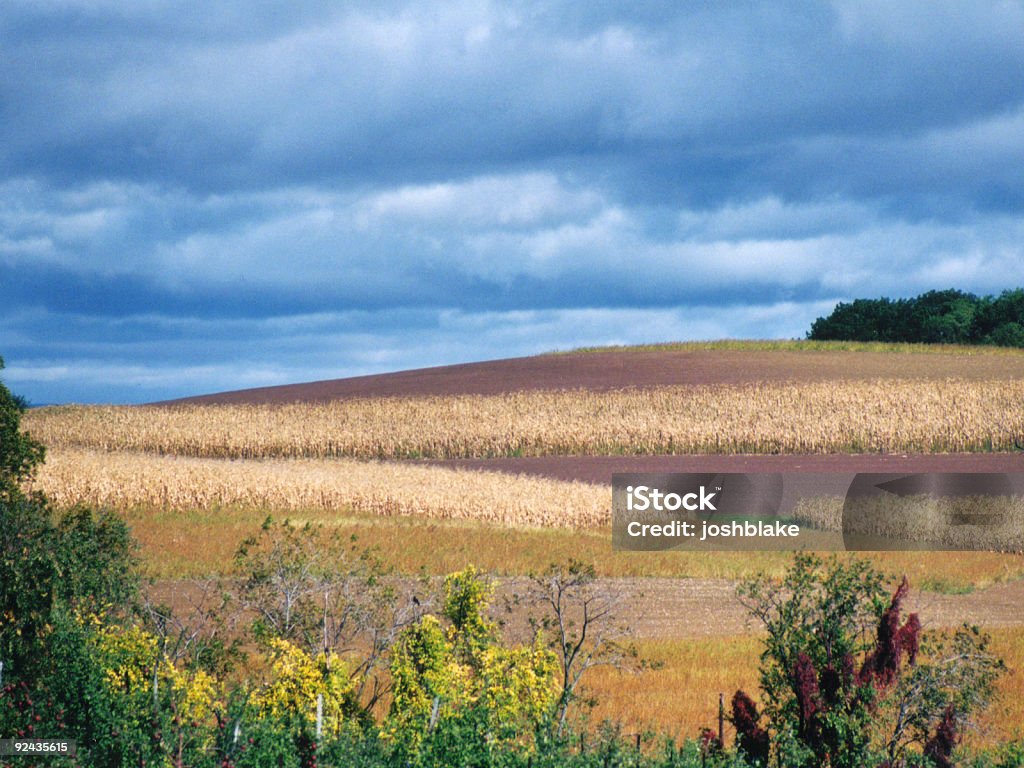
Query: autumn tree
point(314, 588)
point(582, 618)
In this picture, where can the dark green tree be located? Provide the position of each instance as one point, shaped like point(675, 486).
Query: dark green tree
point(861, 320)
point(28, 572)
point(52, 567)
point(19, 453)
point(1000, 320)
point(940, 317)
point(935, 317)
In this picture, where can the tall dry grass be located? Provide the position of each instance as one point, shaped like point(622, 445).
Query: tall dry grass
point(808, 345)
point(681, 696)
point(131, 480)
point(823, 417)
point(201, 542)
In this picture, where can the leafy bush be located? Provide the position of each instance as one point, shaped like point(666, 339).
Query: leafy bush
point(460, 684)
point(847, 681)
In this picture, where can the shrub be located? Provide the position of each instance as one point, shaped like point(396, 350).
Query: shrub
point(460, 685)
point(836, 693)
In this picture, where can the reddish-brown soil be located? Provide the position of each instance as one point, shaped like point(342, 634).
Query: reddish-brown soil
point(675, 608)
point(671, 608)
point(616, 369)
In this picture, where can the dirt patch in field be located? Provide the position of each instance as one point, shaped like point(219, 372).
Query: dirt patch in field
point(668, 608)
point(599, 469)
point(617, 369)
point(662, 608)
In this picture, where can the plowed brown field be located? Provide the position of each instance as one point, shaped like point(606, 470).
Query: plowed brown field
point(617, 369)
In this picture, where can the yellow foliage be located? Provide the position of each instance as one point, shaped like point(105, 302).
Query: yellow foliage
point(519, 687)
point(128, 656)
point(423, 669)
point(440, 675)
point(133, 663)
point(198, 696)
point(297, 679)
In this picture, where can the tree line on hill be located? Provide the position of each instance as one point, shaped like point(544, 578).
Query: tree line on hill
point(935, 317)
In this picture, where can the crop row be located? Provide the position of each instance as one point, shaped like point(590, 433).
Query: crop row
point(128, 481)
point(821, 417)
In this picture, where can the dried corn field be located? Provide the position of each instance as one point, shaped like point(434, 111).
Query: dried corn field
point(818, 417)
point(133, 480)
point(956, 522)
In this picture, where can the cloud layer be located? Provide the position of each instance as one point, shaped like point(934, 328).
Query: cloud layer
point(250, 195)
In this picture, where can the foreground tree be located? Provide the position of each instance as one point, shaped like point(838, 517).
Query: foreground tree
point(311, 587)
point(61, 575)
point(462, 695)
point(49, 562)
point(846, 680)
point(581, 615)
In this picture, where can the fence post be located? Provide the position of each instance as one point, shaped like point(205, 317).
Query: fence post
point(156, 687)
point(721, 719)
point(319, 716)
point(1, 673)
point(435, 710)
point(638, 742)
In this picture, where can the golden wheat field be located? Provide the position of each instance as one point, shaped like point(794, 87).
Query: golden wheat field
point(130, 480)
point(818, 417)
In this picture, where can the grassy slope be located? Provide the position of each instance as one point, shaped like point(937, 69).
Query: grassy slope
point(199, 543)
point(680, 695)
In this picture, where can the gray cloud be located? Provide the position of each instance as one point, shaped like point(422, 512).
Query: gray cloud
point(246, 196)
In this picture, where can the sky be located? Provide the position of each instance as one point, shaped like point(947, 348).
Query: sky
point(199, 197)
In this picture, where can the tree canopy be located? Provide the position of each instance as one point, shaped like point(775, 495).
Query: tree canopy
point(935, 317)
point(19, 453)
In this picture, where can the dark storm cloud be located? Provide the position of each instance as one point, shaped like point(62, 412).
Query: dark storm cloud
point(231, 99)
point(259, 192)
